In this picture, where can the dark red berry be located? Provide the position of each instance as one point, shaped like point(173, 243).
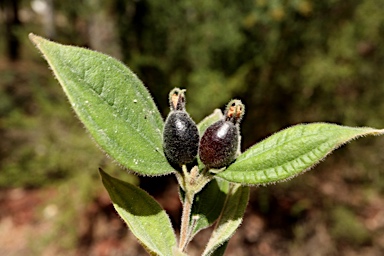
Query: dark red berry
point(219, 145)
point(180, 135)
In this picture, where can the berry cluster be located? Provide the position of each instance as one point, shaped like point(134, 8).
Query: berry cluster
point(218, 146)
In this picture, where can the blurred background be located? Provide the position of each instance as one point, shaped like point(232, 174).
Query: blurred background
point(290, 61)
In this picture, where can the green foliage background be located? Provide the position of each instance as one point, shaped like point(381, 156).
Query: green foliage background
point(289, 61)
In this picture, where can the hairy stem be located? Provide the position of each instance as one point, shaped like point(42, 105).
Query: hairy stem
point(192, 182)
point(184, 231)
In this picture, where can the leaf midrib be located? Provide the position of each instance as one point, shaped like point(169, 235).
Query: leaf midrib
point(264, 150)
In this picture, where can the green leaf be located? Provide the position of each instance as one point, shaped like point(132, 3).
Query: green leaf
point(219, 251)
point(112, 103)
point(208, 204)
point(230, 219)
point(290, 152)
point(144, 216)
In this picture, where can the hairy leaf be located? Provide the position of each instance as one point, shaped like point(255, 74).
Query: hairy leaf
point(144, 216)
point(208, 204)
point(112, 103)
point(219, 251)
point(230, 219)
point(290, 152)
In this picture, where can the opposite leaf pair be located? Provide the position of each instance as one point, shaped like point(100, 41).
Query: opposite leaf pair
point(218, 146)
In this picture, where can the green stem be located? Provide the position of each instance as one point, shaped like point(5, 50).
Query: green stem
point(184, 230)
point(193, 182)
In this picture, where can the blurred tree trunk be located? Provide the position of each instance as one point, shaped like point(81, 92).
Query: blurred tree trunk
point(12, 24)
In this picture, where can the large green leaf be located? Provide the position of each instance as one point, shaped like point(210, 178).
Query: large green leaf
point(290, 152)
point(230, 219)
point(144, 216)
point(112, 103)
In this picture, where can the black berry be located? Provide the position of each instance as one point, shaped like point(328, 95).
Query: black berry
point(219, 145)
point(180, 135)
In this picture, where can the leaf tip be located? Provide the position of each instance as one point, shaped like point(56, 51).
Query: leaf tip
point(34, 38)
point(103, 175)
point(378, 132)
point(102, 172)
point(37, 41)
